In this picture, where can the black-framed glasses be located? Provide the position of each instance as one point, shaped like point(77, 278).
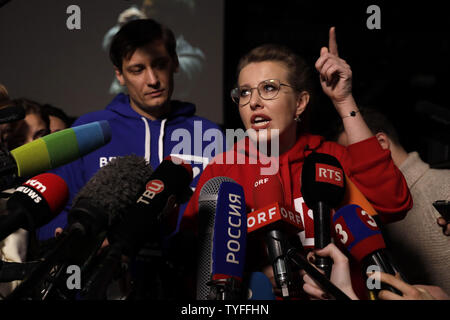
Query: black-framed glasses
point(267, 90)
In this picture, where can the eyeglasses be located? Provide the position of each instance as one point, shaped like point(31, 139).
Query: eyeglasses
point(267, 90)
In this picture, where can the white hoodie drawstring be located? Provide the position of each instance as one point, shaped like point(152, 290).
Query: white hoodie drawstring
point(161, 141)
point(148, 140)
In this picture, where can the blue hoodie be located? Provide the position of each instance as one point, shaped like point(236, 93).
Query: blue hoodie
point(132, 133)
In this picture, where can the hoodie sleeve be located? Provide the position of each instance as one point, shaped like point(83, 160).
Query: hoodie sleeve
point(372, 170)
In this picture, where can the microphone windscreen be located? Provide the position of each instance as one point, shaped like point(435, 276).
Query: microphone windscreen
point(357, 231)
point(116, 186)
point(322, 180)
point(59, 148)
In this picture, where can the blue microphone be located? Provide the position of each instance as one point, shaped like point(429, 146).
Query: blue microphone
point(223, 234)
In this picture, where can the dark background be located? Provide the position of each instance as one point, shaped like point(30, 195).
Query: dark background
point(401, 69)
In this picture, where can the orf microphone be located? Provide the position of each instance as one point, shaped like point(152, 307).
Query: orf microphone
point(359, 233)
point(323, 188)
point(276, 222)
point(222, 233)
point(34, 203)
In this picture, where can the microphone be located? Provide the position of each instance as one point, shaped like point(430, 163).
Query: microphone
point(275, 221)
point(102, 201)
point(222, 240)
point(323, 188)
point(11, 113)
point(52, 151)
point(34, 203)
point(359, 233)
point(168, 185)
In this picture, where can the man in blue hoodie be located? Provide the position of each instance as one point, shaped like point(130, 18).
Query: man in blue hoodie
point(146, 122)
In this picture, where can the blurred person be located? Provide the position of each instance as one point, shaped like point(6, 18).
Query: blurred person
point(14, 248)
point(3, 93)
point(340, 277)
point(417, 243)
point(35, 125)
point(273, 92)
point(59, 120)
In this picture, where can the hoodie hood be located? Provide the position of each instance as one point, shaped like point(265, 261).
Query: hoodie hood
point(180, 110)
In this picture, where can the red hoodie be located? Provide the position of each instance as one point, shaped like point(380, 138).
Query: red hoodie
point(368, 165)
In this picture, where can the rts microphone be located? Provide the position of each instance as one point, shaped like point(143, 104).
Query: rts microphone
point(11, 113)
point(359, 233)
point(168, 185)
point(222, 240)
point(52, 151)
point(34, 203)
point(276, 222)
point(323, 188)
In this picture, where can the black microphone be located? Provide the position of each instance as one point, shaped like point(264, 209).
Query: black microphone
point(102, 202)
point(222, 240)
point(11, 113)
point(166, 187)
point(323, 188)
point(34, 203)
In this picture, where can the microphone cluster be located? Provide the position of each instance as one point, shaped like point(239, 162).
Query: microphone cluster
point(126, 218)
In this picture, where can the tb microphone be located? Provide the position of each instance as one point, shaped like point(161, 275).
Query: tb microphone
point(34, 203)
point(168, 185)
point(222, 240)
point(323, 188)
point(52, 151)
point(359, 233)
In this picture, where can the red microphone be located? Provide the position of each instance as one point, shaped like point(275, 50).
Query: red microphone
point(35, 203)
point(276, 221)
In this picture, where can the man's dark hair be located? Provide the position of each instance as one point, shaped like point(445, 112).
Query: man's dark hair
point(136, 34)
point(377, 122)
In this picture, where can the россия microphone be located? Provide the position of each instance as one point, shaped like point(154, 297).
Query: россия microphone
point(222, 240)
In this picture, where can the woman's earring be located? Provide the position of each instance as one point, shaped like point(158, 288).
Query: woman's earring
point(298, 119)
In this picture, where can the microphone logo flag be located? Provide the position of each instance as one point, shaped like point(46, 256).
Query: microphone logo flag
point(152, 188)
point(230, 232)
point(329, 174)
point(271, 214)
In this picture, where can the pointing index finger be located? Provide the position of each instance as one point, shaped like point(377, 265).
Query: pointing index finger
point(332, 44)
